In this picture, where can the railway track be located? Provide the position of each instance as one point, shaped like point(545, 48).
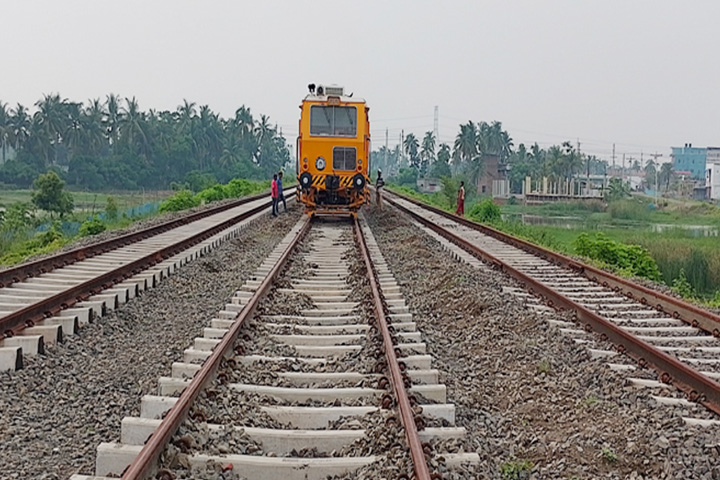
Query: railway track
point(648, 330)
point(314, 369)
point(42, 300)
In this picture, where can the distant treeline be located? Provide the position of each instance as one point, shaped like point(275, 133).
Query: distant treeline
point(112, 144)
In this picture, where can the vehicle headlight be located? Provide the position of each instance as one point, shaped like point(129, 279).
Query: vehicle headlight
point(320, 163)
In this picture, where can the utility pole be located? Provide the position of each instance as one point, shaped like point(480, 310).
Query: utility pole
point(655, 157)
point(623, 169)
point(613, 157)
point(436, 126)
point(400, 151)
point(386, 150)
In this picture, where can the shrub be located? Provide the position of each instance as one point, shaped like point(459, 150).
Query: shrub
point(239, 187)
point(44, 242)
point(111, 209)
point(516, 470)
point(17, 217)
point(682, 287)
point(629, 259)
point(43, 239)
point(609, 455)
point(212, 194)
point(531, 233)
point(406, 176)
point(628, 210)
point(182, 200)
point(92, 226)
point(715, 300)
point(486, 211)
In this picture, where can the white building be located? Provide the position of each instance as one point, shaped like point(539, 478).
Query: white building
point(712, 173)
point(712, 181)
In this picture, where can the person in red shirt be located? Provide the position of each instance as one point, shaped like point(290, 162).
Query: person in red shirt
point(461, 200)
point(274, 195)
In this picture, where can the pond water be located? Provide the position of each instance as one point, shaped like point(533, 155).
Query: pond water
point(573, 223)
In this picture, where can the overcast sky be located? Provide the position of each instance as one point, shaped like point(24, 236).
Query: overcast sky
point(642, 74)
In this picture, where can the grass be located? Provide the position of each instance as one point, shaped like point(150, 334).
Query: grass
point(19, 243)
point(544, 366)
point(516, 469)
point(632, 221)
point(91, 201)
point(609, 455)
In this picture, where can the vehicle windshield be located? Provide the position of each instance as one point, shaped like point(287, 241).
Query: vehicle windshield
point(333, 121)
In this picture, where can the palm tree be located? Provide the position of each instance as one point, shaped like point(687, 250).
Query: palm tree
point(555, 162)
point(113, 118)
point(410, 146)
point(244, 120)
point(666, 172)
point(465, 148)
point(20, 125)
point(230, 150)
point(5, 128)
point(93, 126)
point(73, 135)
point(444, 153)
point(50, 122)
point(427, 153)
point(428, 146)
point(186, 112)
point(132, 126)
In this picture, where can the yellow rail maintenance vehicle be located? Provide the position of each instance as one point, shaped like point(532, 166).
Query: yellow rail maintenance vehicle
point(333, 152)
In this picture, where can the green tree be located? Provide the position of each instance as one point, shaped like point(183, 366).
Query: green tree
point(17, 217)
point(114, 144)
point(441, 166)
point(50, 196)
point(427, 152)
point(5, 129)
point(111, 209)
point(666, 172)
point(617, 190)
point(465, 147)
point(410, 147)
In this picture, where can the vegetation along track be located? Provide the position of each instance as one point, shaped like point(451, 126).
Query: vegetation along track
point(677, 340)
point(314, 370)
point(42, 300)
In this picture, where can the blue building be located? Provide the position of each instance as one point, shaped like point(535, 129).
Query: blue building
point(690, 159)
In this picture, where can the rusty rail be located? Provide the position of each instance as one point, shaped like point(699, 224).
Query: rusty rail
point(670, 370)
point(44, 265)
point(14, 322)
point(407, 418)
point(146, 461)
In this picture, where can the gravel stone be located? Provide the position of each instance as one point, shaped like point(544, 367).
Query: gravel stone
point(63, 404)
point(523, 390)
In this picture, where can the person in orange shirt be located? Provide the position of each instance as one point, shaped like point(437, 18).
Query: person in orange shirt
point(461, 200)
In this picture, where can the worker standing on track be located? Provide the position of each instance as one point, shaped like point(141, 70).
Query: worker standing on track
point(274, 195)
point(379, 183)
point(281, 195)
point(461, 200)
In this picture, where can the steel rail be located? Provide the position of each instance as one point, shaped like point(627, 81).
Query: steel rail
point(417, 454)
point(688, 313)
point(14, 322)
point(697, 386)
point(44, 265)
point(146, 461)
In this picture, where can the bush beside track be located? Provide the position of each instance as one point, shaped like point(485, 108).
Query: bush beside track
point(54, 239)
point(627, 260)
